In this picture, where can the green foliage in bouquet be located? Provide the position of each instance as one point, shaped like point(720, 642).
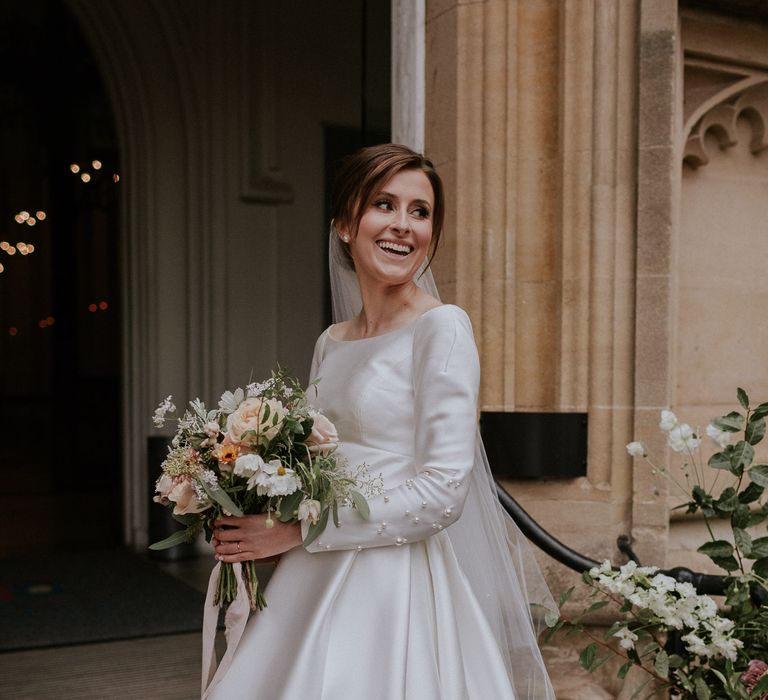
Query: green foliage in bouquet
point(679, 639)
point(264, 449)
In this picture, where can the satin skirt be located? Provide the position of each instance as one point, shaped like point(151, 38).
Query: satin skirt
point(383, 623)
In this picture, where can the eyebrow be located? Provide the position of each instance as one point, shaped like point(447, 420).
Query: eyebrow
point(383, 193)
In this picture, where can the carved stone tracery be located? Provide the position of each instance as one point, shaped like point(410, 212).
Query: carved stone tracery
point(720, 120)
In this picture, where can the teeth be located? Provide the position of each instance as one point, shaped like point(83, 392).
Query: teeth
point(397, 247)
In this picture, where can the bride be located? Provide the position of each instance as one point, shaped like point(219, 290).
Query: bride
point(429, 598)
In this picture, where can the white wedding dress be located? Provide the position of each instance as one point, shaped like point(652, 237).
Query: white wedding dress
point(380, 609)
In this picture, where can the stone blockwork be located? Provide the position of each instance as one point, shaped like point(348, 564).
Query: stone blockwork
point(601, 157)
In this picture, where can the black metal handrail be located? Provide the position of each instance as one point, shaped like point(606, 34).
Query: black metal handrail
point(704, 583)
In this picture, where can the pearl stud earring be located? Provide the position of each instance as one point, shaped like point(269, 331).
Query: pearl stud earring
point(345, 238)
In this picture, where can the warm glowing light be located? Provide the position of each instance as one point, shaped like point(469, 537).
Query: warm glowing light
point(10, 250)
point(19, 219)
point(24, 215)
point(13, 331)
point(50, 320)
point(4, 245)
point(31, 221)
point(96, 164)
point(30, 248)
point(40, 215)
point(1, 268)
point(92, 307)
point(103, 305)
point(116, 177)
point(42, 323)
point(85, 177)
point(75, 168)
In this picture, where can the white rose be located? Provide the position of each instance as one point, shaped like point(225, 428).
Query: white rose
point(309, 510)
point(323, 439)
point(211, 429)
point(636, 449)
point(252, 415)
point(247, 465)
point(668, 421)
point(721, 437)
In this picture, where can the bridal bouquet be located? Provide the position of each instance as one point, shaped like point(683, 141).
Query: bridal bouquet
point(264, 449)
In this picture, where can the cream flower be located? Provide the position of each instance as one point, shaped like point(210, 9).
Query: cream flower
point(683, 439)
point(323, 439)
point(185, 498)
point(273, 479)
point(309, 510)
point(721, 437)
point(256, 421)
point(163, 487)
point(627, 638)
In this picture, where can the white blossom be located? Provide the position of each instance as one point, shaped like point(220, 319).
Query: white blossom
point(229, 400)
point(274, 479)
point(166, 406)
point(636, 449)
point(309, 509)
point(721, 437)
point(604, 568)
point(627, 637)
point(668, 421)
point(683, 438)
point(248, 465)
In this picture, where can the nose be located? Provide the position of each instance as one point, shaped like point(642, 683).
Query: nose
point(401, 223)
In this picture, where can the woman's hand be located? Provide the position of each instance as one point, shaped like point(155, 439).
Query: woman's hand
point(248, 537)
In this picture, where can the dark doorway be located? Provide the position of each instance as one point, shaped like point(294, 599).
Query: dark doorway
point(59, 288)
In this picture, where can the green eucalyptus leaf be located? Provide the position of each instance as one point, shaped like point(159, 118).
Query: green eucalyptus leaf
point(661, 664)
point(335, 511)
point(741, 457)
point(220, 496)
point(186, 519)
point(760, 411)
point(755, 431)
point(361, 505)
point(551, 617)
point(743, 541)
point(732, 423)
point(720, 460)
point(314, 530)
point(718, 548)
point(760, 548)
point(760, 567)
point(755, 518)
point(265, 417)
point(760, 687)
point(702, 690)
point(179, 537)
point(596, 606)
point(290, 506)
point(751, 493)
point(675, 661)
point(741, 395)
point(759, 474)
point(587, 657)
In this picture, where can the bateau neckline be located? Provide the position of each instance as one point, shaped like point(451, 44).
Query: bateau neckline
point(388, 333)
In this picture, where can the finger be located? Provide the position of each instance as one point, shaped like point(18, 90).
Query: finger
point(230, 548)
point(215, 541)
point(229, 520)
point(234, 558)
point(228, 535)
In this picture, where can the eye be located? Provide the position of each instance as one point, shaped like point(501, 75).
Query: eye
point(384, 204)
point(421, 212)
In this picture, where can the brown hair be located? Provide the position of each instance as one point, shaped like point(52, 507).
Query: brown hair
point(361, 175)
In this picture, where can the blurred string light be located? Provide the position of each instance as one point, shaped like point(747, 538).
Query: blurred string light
point(86, 176)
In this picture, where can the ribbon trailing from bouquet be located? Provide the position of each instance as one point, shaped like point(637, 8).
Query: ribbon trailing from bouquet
point(234, 625)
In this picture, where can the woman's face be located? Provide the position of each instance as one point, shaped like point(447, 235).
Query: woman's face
point(395, 230)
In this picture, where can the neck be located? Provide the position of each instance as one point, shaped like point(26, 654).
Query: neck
point(386, 307)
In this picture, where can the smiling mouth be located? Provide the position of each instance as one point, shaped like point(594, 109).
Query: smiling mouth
point(400, 249)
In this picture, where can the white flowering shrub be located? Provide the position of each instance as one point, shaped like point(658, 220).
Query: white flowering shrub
point(680, 639)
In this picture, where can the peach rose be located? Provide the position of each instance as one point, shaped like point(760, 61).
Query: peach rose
point(251, 415)
point(323, 439)
point(183, 495)
point(163, 487)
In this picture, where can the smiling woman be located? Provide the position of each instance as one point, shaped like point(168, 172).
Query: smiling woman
point(427, 598)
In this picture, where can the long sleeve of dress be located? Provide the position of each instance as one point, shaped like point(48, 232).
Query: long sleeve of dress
point(446, 376)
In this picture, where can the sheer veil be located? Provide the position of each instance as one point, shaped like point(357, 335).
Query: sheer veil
point(494, 555)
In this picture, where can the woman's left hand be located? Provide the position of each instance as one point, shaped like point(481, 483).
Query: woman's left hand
point(248, 537)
